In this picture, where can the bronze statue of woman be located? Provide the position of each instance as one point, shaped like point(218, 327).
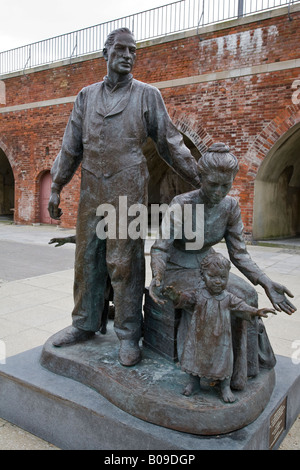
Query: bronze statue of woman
point(172, 264)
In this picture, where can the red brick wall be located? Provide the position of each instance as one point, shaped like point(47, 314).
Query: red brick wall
point(249, 113)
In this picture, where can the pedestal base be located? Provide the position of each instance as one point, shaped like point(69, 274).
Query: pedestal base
point(71, 415)
point(152, 390)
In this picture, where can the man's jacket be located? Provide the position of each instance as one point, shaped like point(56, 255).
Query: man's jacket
point(108, 128)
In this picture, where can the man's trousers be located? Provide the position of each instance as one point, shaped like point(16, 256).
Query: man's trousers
point(121, 259)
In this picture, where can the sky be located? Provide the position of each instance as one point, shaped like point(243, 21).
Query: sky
point(27, 21)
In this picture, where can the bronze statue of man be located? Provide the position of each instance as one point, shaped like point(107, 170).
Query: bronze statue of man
point(110, 122)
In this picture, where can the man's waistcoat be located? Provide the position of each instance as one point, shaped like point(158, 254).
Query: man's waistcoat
point(113, 141)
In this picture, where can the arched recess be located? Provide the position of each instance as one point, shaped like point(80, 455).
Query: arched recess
point(164, 183)
point(45, 191)
point(277, 190)
point(7, 187)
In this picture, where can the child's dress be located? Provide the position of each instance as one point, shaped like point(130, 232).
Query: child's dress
point(207, 349)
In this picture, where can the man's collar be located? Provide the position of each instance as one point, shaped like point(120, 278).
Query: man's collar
point(121, 103)
point(120, 84)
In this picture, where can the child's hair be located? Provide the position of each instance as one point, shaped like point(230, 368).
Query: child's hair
point(217, 260)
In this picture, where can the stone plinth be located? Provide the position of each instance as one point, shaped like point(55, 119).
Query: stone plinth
point(151, 390)
point(71, 415)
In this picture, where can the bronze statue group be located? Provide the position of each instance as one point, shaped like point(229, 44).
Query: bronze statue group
point(221, 335)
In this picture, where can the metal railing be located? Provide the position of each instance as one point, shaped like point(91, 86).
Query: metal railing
point(178, 16)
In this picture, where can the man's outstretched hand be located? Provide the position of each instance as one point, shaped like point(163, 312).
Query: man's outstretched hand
point(58, 241)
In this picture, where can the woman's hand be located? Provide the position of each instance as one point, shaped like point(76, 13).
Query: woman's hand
point(170, 292)
point(276, 293)
point(156, 291)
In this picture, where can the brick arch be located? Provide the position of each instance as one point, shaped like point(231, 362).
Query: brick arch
point(251, 162)
point(274, 216)
point(37, 181)
point(10, 157)
point(269, 136)
point(193, 130)
point(8, 181)
point(40, 173)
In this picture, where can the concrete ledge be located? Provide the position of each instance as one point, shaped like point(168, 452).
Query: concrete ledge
point(288, 243)
point(185, 81)
point(73, 416)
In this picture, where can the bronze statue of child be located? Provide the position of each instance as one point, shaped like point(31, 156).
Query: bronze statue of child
point(208, 352)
